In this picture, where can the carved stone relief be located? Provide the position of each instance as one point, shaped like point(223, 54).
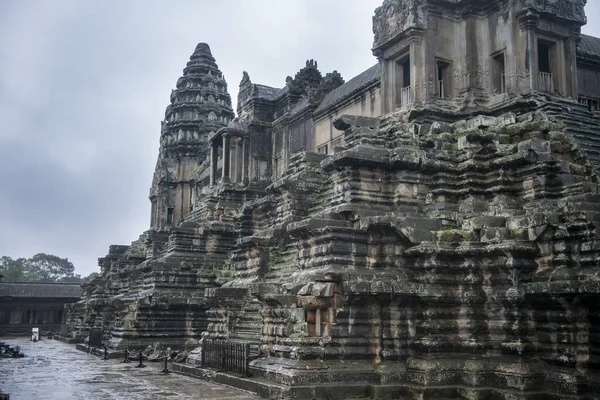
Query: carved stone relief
point(477, 76)
point(393, 17)
point(568, 9)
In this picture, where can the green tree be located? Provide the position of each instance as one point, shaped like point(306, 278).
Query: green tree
point(13, 270)
point(50, 268)
point(41, 268)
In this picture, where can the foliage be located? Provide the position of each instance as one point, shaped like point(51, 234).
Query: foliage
point(14, 270)
point(41, 268)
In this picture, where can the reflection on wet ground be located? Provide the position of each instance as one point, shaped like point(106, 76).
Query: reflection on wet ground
point(54, 370)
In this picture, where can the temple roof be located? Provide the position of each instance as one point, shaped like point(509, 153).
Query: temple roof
point(41, 290)
point(267, 92)
point(589, 45)
point(351, 87)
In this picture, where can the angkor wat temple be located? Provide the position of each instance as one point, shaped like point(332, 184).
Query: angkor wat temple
point(426, 230)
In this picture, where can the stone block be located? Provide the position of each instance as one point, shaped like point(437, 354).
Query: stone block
point(507, 119)
point(484, 221)
point(345, 121)
point(482, 121)
point(438, 127)
point(535, 144)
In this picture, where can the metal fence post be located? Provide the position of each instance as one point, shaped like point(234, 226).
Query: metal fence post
point(166, 369)
point(141, 364)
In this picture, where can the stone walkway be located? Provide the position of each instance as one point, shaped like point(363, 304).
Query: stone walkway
point(54, 370)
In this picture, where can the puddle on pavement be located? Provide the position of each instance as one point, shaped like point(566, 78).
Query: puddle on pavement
point(54, 370)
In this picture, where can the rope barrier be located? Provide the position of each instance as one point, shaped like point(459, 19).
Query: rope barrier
point(129, 356)
point(28, 333)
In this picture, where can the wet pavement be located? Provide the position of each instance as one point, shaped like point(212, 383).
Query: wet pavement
point(53, 370)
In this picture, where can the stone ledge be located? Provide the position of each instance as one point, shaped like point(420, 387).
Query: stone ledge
point(394, 388)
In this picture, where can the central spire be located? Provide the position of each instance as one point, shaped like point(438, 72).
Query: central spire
point(200, 104)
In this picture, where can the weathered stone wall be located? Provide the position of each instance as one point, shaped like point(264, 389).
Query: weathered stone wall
point(589, 81)
point(435, 250)
point(366, 103)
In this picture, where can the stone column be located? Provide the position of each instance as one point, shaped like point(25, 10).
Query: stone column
point(571, 66)
point(244, 161)
point(419, 84)
point(239, 164)
point(214, 160)
point(225, 177)
point(233, 160)
point(529, 23)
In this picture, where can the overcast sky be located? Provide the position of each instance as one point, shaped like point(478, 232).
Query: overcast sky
point(84, 85)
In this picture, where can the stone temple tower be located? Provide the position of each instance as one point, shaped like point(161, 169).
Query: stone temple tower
point(200, 104)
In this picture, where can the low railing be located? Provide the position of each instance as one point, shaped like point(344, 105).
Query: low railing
point(405, 99)
point(226, 355)
point(545, 82)
point(593, 104)
point(330, 146)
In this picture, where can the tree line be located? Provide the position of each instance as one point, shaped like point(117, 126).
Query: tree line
point(41, 268)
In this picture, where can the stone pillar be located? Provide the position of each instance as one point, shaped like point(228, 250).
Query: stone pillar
point(244, 161)
point(477, 80)
point(571, 66)
point(233, 160)
point(529, 23)
point(225, 176)
point(214, 160)
point(239, 165)
point(419, 83)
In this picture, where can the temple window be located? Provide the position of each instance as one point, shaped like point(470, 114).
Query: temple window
point(170, 215)
point(192, 197)
point(262, 169)
point(498, 73)
point(318, 321)
point(278, 167)
point(590, 103)
point(443, 80)
point(323, 149)
point(403, 97)
point(153, 213)
point(546, 50)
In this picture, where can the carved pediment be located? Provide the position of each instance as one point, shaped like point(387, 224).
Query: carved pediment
point(573, 10)
point(394, 17)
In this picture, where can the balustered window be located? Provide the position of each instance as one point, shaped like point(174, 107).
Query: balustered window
point(498, 73)
point(591, 103)
point(318, 322)
point(403, 78)
point(546, 66)
point(443, 87)
point(323, 149)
